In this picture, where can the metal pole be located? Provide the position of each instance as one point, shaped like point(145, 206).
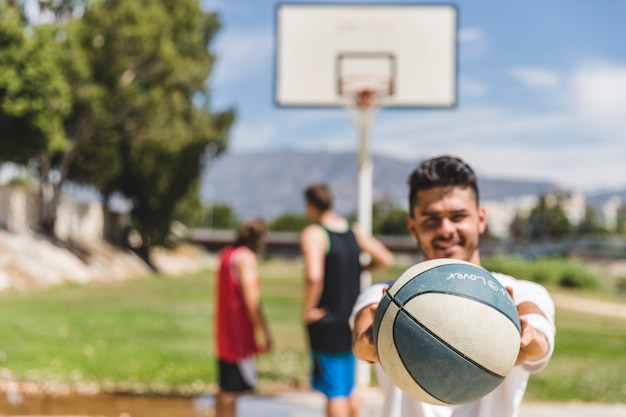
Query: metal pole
point(365, 176)
point(364, 214)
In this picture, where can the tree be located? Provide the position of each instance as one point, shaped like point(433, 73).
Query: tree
point(518, 229)
point(621, 222)
point(389, 219)
point(289, 222)
point(221, 216)
point(548, 220)
point(591, 224)
point(140, 119)
point(189, 210)
point(34, 97)
point(148, 65)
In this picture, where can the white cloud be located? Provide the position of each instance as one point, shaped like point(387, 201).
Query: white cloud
point(598, 91)
point(211, 4)
point(555, 146)
point(253, 136)
point(470, 34)
point(410, 135)
point(472, 88)
point(341, 140)
point(300, 128)
point(575, 167)
point(227, 7)
point(242, 55)
point(535, 77)
point(304, 118)
point(473, 43)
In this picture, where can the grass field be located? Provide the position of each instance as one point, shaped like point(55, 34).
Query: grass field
point(155, 335)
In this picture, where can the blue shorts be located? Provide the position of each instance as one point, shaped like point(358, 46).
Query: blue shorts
point(334, 373)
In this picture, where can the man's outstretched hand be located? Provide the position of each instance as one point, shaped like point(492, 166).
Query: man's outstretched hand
point(362, 337)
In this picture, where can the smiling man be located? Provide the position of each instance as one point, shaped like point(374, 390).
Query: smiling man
point(446, 220)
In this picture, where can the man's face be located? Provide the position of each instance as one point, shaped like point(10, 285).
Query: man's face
point(447, 223)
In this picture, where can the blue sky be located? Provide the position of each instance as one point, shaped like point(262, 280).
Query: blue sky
point(541, 93)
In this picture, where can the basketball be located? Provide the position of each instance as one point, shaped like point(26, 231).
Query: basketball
point(446, 332)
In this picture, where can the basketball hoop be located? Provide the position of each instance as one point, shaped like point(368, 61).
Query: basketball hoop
point(363, 95)
point(365, 92)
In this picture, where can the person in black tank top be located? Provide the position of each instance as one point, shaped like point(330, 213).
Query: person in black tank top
point(331, 251)
point(342, 272)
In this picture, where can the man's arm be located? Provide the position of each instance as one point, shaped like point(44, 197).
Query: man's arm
point(247, 267)
point(362, 319)
point(380, 255)
point(362, 335)
point(313, 242)
point(536, 312)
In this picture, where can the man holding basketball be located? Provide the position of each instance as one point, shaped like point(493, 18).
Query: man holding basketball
point(446, 221)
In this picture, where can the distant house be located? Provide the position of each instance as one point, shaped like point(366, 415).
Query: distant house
point(78, 221)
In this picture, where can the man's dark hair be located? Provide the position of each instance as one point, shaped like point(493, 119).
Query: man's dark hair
point(443, 171)
point(319, 196)
point(251, 234)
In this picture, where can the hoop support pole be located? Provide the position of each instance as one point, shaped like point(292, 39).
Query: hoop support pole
point(364, 215)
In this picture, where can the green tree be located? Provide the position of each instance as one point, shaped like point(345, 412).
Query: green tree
point(220, 216)
point(389, 219)
point(289, 222)
point(148, 65)
point(34, 99)
point(189, 210)
point(548, 220)
point(591, 224)
point(518, 229)
point(621, 222)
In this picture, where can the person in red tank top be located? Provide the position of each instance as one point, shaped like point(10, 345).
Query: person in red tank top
point(241, 329)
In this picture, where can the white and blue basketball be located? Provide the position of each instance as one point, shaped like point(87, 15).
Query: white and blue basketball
point(446, 332)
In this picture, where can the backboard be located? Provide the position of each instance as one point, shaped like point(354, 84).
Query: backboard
point(406, 53)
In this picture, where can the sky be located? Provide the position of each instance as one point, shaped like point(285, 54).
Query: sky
point(541, 93)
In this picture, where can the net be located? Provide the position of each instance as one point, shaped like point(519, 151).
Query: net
point(365, 92)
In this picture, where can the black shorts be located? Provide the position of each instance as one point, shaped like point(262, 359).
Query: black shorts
point(237, 376)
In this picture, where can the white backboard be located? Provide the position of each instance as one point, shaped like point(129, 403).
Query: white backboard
point(412, 45)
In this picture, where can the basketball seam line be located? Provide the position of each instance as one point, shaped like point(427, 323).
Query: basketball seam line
point(452, 348)
point(400, 308)
point(478, 300)
point(517, 325)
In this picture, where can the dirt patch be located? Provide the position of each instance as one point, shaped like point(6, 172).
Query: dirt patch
point(591, 306)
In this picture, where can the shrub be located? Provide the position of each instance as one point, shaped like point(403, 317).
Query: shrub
point(576, 275)
point(569, 273)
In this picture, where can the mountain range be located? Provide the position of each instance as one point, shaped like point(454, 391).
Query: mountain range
point(268, 184)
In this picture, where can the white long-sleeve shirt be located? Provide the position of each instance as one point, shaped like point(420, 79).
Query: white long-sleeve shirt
point(506, 399)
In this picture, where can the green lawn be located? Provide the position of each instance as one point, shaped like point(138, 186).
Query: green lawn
point(156, 335)
point(589, 363)
point(144, 334)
